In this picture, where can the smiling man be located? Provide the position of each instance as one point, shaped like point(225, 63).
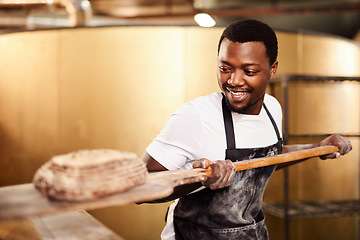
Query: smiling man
point(240, 122)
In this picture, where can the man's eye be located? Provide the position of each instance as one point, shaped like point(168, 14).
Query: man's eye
point(250, 72)
point(225, 69)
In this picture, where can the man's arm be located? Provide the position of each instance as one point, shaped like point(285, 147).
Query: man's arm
point(221, 175)
point(179, 191)
point(223, 171)
point(151, 164)
point(342, 143)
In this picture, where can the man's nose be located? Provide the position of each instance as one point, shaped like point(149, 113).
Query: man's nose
point(237, 78)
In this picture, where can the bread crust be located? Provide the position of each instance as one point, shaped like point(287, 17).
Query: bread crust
point(89, 174)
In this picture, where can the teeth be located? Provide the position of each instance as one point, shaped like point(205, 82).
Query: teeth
point(236, 93)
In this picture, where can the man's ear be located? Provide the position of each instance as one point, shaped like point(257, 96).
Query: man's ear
point(273, 69)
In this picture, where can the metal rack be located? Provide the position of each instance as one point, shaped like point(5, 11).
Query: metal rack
point(305, 210)
point(316, 209)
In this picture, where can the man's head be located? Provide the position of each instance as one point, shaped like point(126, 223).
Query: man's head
point(252, 31)
point(247, 55)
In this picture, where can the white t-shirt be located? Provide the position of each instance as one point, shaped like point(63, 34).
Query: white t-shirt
point(196, 130)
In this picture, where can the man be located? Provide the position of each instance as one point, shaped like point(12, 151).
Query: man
point(241, 122)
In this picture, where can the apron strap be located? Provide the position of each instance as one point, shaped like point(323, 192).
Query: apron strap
point(273, 122)
point(229, 127)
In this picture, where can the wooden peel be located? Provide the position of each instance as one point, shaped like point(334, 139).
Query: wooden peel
point(281, 158)
point(21, 201)
point(181, 177)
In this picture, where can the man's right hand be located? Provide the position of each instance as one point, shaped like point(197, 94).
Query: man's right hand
point(221, 175)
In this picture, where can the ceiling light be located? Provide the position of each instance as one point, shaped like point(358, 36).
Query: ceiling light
point(204, 20)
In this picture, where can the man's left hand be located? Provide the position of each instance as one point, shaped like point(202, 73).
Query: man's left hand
point(342, 143)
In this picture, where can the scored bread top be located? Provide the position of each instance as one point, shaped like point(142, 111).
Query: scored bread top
point(87, 158)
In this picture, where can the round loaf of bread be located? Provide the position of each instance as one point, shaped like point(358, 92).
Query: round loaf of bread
point(89, 174)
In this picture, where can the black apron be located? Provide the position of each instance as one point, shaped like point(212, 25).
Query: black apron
point(234, 212)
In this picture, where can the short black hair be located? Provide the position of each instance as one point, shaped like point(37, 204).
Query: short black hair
point(250, 30)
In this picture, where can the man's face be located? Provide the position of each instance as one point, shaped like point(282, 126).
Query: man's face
point(243, 74)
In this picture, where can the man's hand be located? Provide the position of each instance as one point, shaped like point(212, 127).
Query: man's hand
point(342, 143)
point(221, 175)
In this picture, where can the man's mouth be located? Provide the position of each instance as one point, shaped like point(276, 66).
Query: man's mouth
point(238, 96)
point(237, 93)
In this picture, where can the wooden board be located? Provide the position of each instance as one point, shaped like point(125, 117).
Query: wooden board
point(24, 200)
point(77, 225)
